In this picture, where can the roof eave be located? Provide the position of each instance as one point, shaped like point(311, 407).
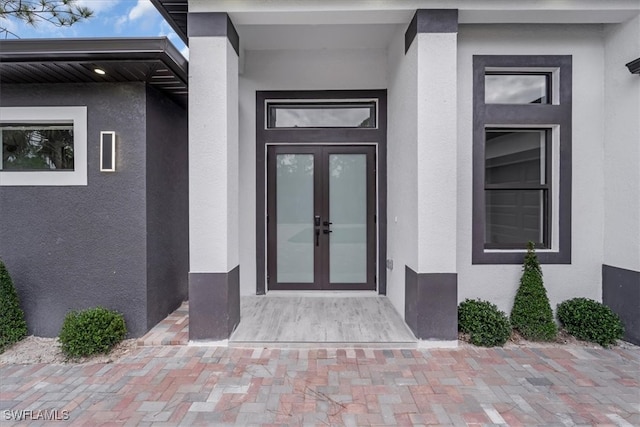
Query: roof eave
point(169, 17)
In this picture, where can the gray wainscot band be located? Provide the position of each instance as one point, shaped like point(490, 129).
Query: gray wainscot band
point(213, 24)
point(431, 304)
point(431, 21)
point(621, 293)
point(214, 305)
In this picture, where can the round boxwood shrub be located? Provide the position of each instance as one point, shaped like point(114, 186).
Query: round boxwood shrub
point(589, 320)
point(531, 314)
point(91, 331)
point(486, 325)
point(13, 327)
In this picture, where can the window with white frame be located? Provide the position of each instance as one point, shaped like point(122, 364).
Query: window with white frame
point(521, 158)
point(43, 146)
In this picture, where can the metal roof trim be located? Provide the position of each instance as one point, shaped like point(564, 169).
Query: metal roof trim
point(181, 30)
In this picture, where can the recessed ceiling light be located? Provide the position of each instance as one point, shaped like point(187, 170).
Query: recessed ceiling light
point(99, 71)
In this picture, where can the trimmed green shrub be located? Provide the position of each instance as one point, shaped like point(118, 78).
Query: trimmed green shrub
point(91, 331)
point(486, 325)
point(13, 327)
point(531, 314)
point(589, 320)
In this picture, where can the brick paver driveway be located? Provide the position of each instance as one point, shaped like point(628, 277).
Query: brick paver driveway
point(215, 386)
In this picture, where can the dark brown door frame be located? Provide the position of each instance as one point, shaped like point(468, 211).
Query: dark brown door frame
point(347, 136)
point(321, 267)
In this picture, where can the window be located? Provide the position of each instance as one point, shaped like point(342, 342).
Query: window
point(511, 88)
point(516, 188)
point(522, 158)
point(321, 115)
point(43, 146)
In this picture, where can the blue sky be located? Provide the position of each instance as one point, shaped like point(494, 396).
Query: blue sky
point(111, 18)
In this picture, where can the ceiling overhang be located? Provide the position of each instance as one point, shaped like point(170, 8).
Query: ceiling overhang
point(154, 61)
point(250, 16)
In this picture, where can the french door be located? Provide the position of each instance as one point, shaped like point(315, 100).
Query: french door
point(321, 223)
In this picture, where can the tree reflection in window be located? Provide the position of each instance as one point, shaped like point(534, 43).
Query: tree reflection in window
point(37, 146)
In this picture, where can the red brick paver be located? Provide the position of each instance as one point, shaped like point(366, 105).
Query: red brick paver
point(172, 330)
point(181, 385)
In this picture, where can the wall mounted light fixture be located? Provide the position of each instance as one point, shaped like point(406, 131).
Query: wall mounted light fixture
point(107, 151)
point(634, 66)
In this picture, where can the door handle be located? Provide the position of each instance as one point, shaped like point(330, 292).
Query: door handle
point(327, 231)
point(317, 237)
point(327, 223)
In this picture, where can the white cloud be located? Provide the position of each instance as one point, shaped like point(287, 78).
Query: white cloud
point(120, 23)
point(185, 52)
point(141, 9)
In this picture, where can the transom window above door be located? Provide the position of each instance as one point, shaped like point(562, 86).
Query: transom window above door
point(316, 114)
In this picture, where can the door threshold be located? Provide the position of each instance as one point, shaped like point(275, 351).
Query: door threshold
point(306, 293)
point(401, 345)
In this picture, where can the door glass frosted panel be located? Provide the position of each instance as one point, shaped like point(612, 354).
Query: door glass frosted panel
point(348, 213)
point(294, 196)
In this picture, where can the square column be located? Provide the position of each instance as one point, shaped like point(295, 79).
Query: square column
point(214, 271)
point(431, 296)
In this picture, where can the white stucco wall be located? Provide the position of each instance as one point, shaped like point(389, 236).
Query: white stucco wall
point(213, 156)
point(436, 152)
point(498, 283)
point(390, 68)
point(402, 136)
point(622, 147)
point(315, 69)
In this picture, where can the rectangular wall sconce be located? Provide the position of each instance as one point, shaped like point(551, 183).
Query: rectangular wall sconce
point(107, 151)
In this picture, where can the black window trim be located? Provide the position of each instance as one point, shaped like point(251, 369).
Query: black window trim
point(558, 113)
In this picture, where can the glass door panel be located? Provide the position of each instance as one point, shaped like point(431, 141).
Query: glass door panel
point(348, 216)
point(321, 217)
point(294, 218)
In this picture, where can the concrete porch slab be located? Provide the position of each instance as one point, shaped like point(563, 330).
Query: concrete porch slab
point(305, 321)
point(287, 320)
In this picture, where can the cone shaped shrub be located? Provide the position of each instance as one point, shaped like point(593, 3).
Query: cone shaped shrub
point(12, 324)
point(531, 314)
point(590, 320)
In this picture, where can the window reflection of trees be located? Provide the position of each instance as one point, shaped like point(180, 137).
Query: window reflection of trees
point(41, 147)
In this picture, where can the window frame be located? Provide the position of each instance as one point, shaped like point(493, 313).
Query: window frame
point(555, 117)
point(371, 104)
point(546, 188)
point(505, 72)
point(77, 116)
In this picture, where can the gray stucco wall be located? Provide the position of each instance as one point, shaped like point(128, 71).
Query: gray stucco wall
point(77, 247)
point(167, 206)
